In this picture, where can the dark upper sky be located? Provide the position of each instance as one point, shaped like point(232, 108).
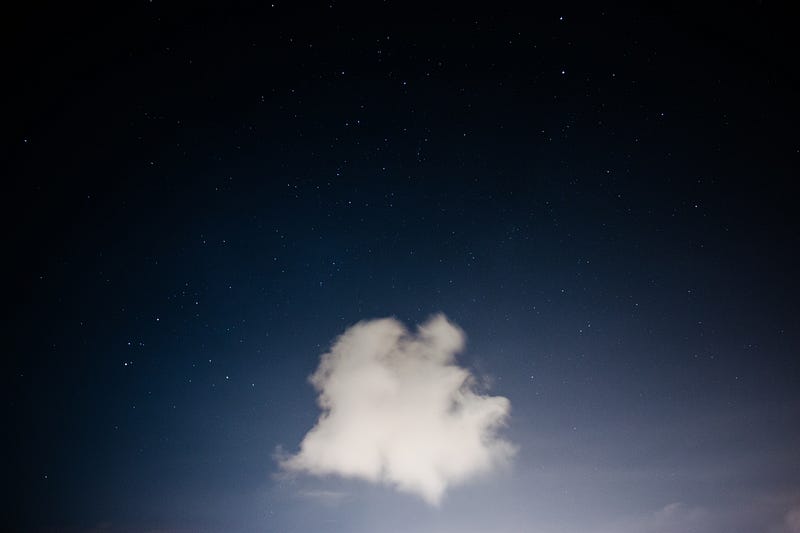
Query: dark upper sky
point(199, 199)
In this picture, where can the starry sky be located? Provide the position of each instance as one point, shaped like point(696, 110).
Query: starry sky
point(200, 199)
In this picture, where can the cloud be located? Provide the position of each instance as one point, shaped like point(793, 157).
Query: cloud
point(398, 410)
point(679, 517)
point(755, 513)
point(675, 517)
point(792, 520)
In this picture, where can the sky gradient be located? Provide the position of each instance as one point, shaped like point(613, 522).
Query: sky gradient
point(201, 200)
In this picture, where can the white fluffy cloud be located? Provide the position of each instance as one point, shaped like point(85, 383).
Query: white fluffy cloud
point(397, 409)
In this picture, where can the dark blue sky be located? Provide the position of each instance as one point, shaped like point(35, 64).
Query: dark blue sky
point(201, 199)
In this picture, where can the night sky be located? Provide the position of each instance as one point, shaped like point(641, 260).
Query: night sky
point(200, 199)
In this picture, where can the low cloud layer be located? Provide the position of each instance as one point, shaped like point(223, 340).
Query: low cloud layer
point(397, 409)
point(766, 514)
point(793, 520)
